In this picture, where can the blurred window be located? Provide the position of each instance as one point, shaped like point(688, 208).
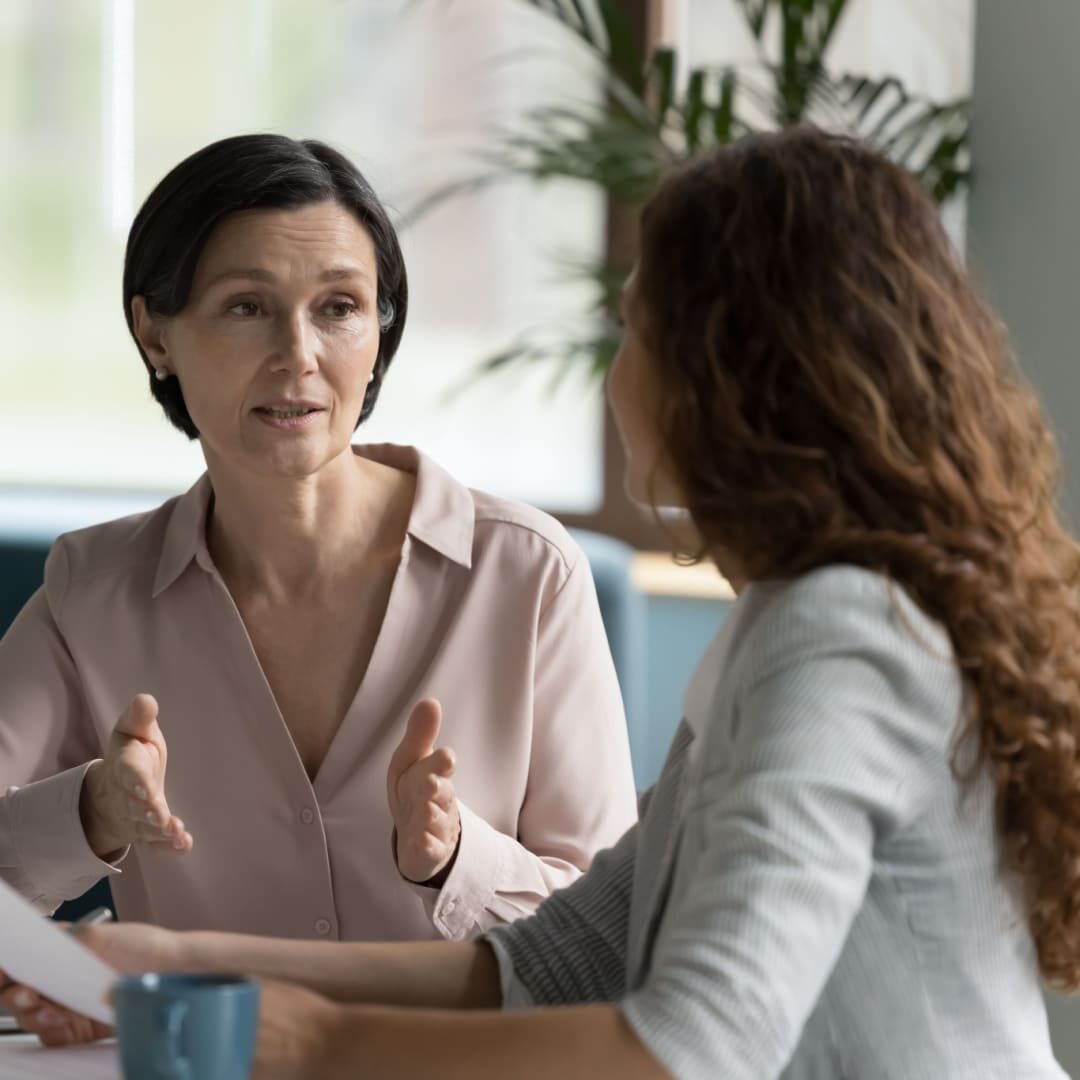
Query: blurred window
point(99, 100)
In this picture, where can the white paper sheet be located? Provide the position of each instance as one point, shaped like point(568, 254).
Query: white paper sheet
point(22, 1057)
point(36, 951)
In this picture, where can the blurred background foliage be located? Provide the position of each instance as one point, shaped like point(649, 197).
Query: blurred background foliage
point(654, 112)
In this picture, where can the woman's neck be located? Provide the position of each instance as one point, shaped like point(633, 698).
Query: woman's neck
point(282, 537)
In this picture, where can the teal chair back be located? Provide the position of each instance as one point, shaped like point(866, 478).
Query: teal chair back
point(22, 564)
point(623, 610)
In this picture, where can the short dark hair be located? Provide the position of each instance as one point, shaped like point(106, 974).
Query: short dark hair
point(251, 172)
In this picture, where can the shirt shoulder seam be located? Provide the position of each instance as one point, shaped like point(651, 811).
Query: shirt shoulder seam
point(568, 567)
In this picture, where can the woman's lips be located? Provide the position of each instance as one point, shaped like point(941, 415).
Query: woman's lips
point(288, 417)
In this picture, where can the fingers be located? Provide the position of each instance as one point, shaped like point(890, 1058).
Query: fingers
point(426, 788)
point(59, 1027)
point(439, 823)
point(426, 783)
point(19, 999)
point(423, 856)
point(146, 816)
point(419, 739)
point(422, 798)
point(136, 756)
point(52, 1023)
point(139, 719)
point(426, 844)
point(178, 835)
point(142, 818)
point(443, 761)
point(429, 816)
point(73, 1029)
point(172, 838)
point(138, 768)
point(153, 812)
point(137, 772)
point(439, 790)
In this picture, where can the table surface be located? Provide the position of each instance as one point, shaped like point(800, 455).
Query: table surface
point(22, 1057)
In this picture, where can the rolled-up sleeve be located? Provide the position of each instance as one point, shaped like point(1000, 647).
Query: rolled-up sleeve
point(46, 746)
point(580, 794)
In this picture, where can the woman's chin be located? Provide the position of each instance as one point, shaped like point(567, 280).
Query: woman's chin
point(297, 461)
point(302, 462)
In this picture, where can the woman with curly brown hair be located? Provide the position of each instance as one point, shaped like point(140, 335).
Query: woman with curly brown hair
point(865, 844)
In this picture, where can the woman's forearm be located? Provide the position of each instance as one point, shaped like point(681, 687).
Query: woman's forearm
point(436, 974)
point(541, 1044)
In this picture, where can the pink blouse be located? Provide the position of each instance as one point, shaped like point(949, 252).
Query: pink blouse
point(492, 611)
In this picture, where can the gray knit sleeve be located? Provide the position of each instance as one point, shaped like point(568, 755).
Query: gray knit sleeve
point(573, 949)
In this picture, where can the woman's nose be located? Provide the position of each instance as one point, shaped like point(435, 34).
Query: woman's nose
point(296, 345)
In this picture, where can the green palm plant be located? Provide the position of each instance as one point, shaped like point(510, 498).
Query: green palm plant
point(652, 116)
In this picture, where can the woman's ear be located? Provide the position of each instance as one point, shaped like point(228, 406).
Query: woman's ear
point(149, 332)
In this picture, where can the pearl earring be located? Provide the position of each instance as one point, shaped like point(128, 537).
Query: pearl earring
point(161, 374)
point(371, 377)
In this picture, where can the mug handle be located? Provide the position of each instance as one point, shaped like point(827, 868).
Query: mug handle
point(171, 1060)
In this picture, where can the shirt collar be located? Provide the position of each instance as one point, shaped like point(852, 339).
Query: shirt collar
point(185, 535)
point(443, 514)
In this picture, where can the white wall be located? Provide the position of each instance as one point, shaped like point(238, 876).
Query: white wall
point(1025, 203)
point(1024, 235)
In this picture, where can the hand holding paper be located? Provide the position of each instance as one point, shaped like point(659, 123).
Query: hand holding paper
point(42, 955)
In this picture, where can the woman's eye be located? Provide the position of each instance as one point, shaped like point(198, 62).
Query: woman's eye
point(245, 308)
point(340, 309)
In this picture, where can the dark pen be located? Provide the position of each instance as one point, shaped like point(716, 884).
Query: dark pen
point(97, 915)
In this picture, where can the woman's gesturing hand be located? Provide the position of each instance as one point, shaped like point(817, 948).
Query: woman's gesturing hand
point(123, 796)
point(422, 799)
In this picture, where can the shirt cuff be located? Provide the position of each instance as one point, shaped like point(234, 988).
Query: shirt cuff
point(457, 909)
point(49, 840)
point(514, 994)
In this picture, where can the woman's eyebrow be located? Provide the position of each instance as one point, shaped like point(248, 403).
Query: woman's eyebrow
point(336, 273)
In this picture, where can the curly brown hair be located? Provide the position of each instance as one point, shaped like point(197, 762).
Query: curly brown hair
point(832, 389)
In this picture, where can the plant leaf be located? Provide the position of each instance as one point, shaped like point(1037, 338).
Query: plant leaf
point(624, 54)
point(662, 70)
point(694, 109)
point(646, 123)
point(829, 15)
point(755, 12)
point(724, 113)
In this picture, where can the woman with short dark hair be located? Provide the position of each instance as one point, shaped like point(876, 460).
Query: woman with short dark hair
point(244, 173)
point(296, 631)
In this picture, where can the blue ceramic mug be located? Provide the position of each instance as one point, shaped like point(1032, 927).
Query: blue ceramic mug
point(186, 1027)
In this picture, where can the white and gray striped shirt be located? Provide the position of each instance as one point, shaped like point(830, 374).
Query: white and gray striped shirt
point(810, 894)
